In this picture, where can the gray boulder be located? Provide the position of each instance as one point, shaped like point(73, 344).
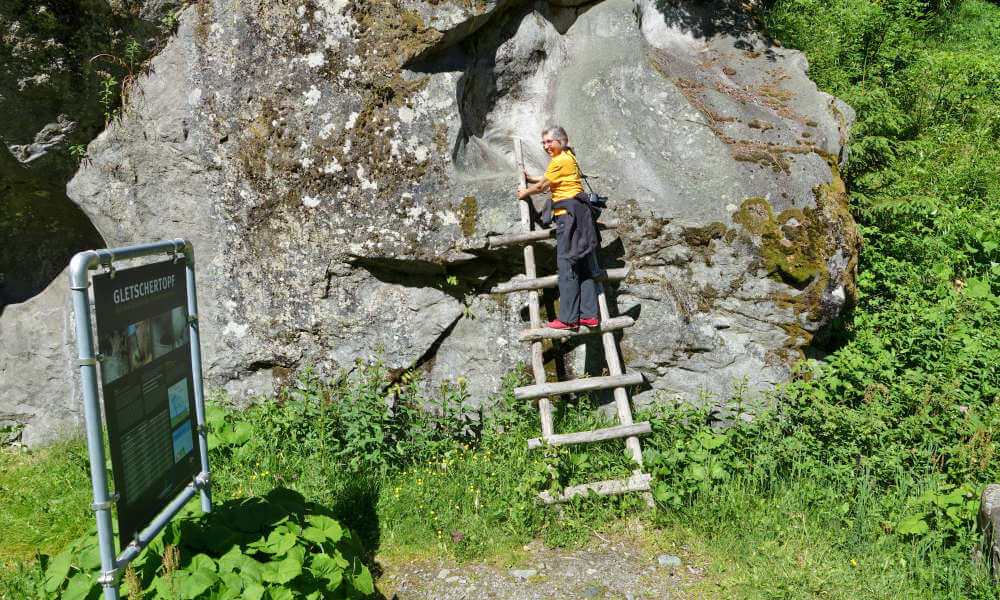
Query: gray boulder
point(38, 374)
point(339, 167)
point(989, 528)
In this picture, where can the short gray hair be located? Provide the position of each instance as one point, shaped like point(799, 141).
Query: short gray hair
point(557, 133)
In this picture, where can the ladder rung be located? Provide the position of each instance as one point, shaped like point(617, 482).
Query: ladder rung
point(551, 281)
point(587, 384)
point(496, 241)
point(544, 333)
point(635, 483)
point(596, 435)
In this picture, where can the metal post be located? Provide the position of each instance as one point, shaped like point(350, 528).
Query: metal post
point(149, 533)
point(199, 392)
point(79, 282)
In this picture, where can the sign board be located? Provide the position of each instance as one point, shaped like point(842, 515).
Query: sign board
point(148, 385)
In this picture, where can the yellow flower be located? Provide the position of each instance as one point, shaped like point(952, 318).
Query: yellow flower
point(854, 562)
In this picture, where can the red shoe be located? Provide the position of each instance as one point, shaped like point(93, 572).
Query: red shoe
point(590, 322)
point(557, 324)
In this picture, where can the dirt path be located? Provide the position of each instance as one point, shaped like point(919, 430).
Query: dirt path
point(617, 568)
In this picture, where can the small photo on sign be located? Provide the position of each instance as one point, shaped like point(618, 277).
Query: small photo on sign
point(179, 325)
point(115, 351)
point(183, 442)
point(177, 394)
point(140, 344)
point(163, 334)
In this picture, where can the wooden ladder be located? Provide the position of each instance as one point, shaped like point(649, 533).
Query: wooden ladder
point(542, 390)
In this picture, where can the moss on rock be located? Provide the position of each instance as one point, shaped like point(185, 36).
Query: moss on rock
point(796, 262)
point(470, 211)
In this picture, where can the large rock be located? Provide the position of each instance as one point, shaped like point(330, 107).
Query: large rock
point(38, 373)
point(989, 528)
point(54, 61)
point(339, 164)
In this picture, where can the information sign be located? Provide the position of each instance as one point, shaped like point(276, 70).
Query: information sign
point(148, 385)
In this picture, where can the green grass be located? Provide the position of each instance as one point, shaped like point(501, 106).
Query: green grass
point(45, 498)
point(765, 531)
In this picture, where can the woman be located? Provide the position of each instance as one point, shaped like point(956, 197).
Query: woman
point(576, 233)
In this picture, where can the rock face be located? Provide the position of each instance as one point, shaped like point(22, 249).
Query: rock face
point(53, 58)
point(338, 166)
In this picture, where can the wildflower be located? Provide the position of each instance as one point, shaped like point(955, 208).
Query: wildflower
point(963, 409)
point(294, 476)
point(854, 562)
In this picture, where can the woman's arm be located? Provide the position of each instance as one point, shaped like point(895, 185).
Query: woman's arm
point(541, 185)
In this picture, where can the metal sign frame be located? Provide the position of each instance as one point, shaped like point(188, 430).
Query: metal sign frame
point(79, 276)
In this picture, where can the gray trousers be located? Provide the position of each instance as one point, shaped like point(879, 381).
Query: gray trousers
point(577, 288)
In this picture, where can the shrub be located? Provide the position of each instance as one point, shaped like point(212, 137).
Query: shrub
point(277, 547)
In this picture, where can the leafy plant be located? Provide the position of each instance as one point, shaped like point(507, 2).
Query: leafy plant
point(278, 547)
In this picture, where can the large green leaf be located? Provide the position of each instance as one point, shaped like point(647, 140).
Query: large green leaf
point(232, 587)
point(363, 582)
point(90, 557)
point(278, 542)
point(711, 442)
point(325, 567)
point(193, 585)
point(251, 570)
point(287, 570)
point(977, 288)
point(231, 560)
point(253, 591)
point(330, 529)
point(236, 434)
point(58, 569)
point(279, 593)
point(915, 525)
point(78, 588)
point(202, 563)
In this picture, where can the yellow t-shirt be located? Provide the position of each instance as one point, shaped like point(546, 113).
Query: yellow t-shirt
point(564, 176)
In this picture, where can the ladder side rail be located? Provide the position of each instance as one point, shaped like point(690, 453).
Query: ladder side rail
point(620, 394)
point(537, 364)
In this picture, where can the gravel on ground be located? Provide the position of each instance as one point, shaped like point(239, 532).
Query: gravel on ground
point(616, 569)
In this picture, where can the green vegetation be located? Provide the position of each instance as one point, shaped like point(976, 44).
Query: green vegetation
point(864, 481)
point(280, 546)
